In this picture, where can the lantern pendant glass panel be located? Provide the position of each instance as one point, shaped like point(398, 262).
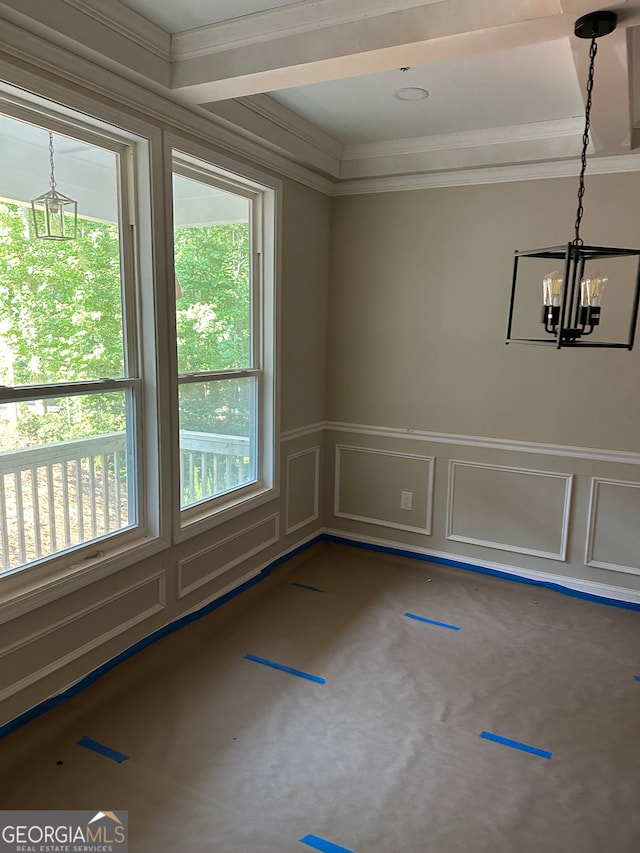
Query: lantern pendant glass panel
point(55, 216)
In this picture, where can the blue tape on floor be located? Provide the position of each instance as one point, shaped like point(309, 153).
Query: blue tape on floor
point(306, 586)
point(149, 640)
point(514, 744)
point(432, 622)
point(101, 749)
point(324, 846)
point(288, 669)
point(482, 570)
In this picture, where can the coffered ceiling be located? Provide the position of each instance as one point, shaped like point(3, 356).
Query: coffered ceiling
point(317, 80)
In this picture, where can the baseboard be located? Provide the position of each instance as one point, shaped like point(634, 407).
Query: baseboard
point(219, 598)
point(610, 595)
point(614, 596)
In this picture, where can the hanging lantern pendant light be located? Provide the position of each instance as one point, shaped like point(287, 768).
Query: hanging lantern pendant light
point(55, 216)
point(572, 296)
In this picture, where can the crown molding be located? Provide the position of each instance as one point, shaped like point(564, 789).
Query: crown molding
point(36, 64)
point(283, 117)
point(489, 175)
point(280, 23)
point(529, 132)
point(124, 21)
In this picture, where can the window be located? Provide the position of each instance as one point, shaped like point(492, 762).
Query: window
point(69, 369)
point(224, 282)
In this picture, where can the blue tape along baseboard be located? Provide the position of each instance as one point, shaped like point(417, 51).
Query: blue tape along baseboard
point(94, 675)
point(482, 570)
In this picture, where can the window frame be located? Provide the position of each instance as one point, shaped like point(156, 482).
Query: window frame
point(265, 192)
point(109, 552)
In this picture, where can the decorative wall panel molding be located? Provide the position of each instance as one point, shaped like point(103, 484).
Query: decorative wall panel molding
point(56, 642)
point(512, 509)
point(613, 535)
point(205, 565)
point(370, 484)
point(303, 488)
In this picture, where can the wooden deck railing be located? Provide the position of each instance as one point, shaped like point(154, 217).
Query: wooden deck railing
point(56, 496)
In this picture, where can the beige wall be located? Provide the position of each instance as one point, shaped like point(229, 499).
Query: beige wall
point(521, 458)
point(306, 253)
point(420, 288)
point(55, 631)
point(371, 336)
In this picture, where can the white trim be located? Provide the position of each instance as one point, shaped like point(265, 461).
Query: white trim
point(596, 482)
point(505, 444)
point(504, 546)
point(281, 21)
point(32, 591)
point(316, 490)
point(489, 175)
point(210, 549)
point(287, 553)
point(379, 522)
point(275, 112)
point(36, 675)
point(128, 23)
point(615, 593)
point(202, 164)
point(45, 65)
point(301, 432)
point(531, 131)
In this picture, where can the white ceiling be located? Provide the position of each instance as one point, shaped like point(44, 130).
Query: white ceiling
point(314, 79)
point(174, 17)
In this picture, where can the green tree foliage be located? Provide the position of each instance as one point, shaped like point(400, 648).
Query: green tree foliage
point(214, 312)
point(213, 319)
point(61, 320)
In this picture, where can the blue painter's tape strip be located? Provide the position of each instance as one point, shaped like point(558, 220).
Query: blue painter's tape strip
point(324, 846)
point(306, 586)
point(481, 570)
point(637, 677)
point(101, 749)
point(514, 744)
point(172, 627)
point(432, 621)
point(288, 669)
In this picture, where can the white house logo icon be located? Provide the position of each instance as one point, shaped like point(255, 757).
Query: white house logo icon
point(111, 815)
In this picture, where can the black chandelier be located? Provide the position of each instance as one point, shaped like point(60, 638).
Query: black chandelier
point(572, 294)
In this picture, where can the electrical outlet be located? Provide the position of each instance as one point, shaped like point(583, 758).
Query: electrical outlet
point(406, 500)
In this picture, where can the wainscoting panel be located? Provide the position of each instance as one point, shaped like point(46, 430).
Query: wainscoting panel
point(369, 485)
point(511, 509)
point(303, 488)
point(613, 540)
point(56, 645)
point(198, 569)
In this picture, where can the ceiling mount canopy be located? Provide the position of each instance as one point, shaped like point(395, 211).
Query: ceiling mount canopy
point(571, 294)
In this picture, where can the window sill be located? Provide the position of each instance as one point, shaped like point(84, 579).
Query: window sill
point(28, 589)
point(196, 520)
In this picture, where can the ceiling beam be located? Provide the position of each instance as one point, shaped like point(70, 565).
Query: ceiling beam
point(411, 36)
point(612, 120)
